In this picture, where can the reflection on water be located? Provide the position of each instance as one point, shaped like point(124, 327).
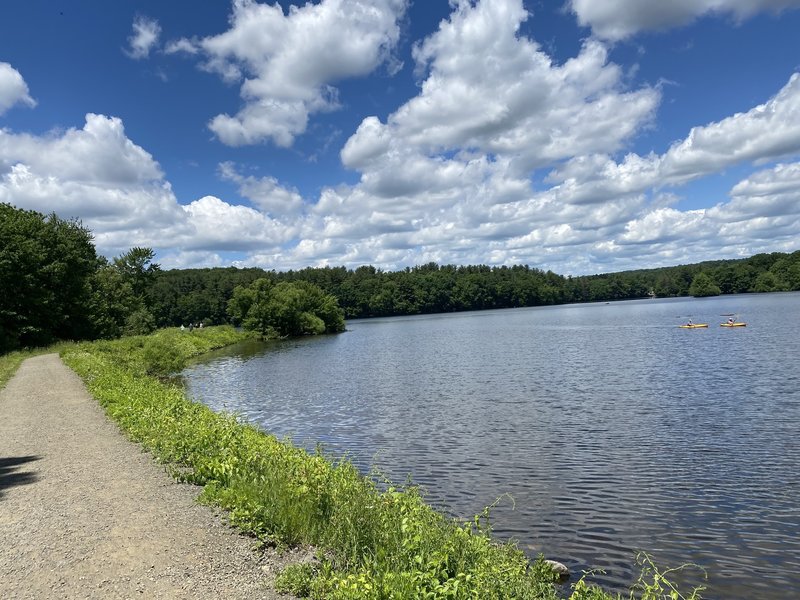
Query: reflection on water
point(612, 429)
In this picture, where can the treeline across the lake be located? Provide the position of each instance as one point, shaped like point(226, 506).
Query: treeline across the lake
point(191, 295)
point(56, 287)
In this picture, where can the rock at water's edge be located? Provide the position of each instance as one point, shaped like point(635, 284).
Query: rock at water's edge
point(559, 568)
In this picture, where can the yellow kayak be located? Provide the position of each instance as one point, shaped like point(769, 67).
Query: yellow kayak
point(694, 326)
point(733, 324)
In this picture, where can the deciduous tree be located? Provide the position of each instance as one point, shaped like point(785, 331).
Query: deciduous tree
point(46, 264)
point(286, 309)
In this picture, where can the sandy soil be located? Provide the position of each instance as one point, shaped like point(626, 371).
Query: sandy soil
point(85, 513)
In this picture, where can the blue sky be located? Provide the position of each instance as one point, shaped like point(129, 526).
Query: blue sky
point(577, 136)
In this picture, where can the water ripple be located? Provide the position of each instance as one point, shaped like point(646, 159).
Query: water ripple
point(612, 429)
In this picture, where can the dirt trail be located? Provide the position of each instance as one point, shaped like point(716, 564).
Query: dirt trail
point(84, 513)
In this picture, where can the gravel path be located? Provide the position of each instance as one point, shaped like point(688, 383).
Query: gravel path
point(85, 513)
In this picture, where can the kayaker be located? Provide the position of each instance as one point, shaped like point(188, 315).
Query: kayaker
point(689, 322)
point(730, 320)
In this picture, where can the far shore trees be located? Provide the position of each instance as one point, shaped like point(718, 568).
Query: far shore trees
point(702, 286)
point(138, 273)
point(54, 286)
point(192, 295)
point(285, 309)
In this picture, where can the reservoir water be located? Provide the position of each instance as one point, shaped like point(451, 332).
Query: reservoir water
point(612, 429)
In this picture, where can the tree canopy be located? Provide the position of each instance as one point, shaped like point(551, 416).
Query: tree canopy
point(285, 309)
point(137, 268)
point(46, 267)
point(55, 286)
point(191, 295)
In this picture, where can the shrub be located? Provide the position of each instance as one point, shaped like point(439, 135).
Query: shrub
point(162, 357)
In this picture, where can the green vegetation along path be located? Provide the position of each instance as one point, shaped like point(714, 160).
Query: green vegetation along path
point(84, 513)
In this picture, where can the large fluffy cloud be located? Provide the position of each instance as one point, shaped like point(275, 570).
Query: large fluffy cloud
point(770, 194)
point(95, 174)
point(100, 152)
point(763, 214)
point(507, 157)
point(769, 131)
point(118, 190)
point(453, 171)
point(491, 90)
point(618, 19)
point(290, 61)
point(217, 225)
point(13, 88)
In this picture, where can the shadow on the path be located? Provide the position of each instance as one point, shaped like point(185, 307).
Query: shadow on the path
point(10, 475)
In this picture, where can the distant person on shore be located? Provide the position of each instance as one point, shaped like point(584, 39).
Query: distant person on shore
point(182, 327)
point(191, 326)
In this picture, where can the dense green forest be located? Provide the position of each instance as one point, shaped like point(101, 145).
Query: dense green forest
point(56, 287)
point(191, 295)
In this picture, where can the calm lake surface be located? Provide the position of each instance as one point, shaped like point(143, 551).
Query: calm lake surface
point(612, 429)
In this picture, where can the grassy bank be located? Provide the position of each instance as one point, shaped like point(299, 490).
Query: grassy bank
point(373, 542)
point(9, 363)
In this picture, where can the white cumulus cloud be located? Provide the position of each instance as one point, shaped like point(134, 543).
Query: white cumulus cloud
point(772, 194)
point(100, 152)
point(13, 88)
point(264, 192)
point(217, 225)
point(451, 173)
point(94, 173)
point(619, 19)
point(144, 38)
point(288, 62)
point(769, 131)
point(490, 90)
point(118, 190)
